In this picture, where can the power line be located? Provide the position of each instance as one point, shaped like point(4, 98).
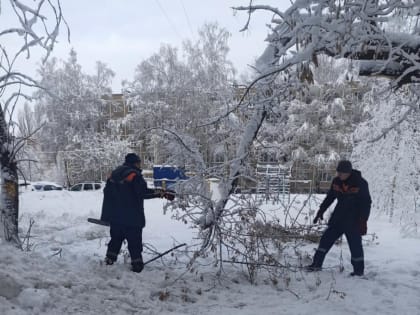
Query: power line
point(171, 24)
point(187, 17)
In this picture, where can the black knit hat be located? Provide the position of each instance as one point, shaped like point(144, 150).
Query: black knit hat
point(344, 166)
point(132, 158)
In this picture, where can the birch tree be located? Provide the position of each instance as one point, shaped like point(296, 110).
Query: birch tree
point(33, 26)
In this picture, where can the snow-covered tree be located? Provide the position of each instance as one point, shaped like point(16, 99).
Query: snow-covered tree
point(355, 30)
point(307, 29)
point(71, 109)
point(316, 125)
point(386, 149)
point(381, 36)
point(174, 99)
point(33, 26)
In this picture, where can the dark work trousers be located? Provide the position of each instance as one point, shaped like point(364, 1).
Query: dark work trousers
point(133, 235)
point(331, 234)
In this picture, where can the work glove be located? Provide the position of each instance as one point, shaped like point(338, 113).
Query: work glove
point(167, 194)
point(363, 227)
point(318, 217)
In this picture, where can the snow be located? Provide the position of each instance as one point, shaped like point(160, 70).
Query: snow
point(63, 273)
point(329, 121)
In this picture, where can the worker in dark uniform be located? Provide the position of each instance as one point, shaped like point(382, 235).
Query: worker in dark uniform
point(349, 217)
point(123, 208)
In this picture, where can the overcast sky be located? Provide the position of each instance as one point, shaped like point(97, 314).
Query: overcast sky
point(122, 33)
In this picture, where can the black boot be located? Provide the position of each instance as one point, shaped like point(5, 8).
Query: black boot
point(137, 265)
point(356, 273)
point(109, 261)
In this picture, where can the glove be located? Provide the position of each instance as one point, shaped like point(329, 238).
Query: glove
point(363, 227)
point(169, 195)
point(318, 217)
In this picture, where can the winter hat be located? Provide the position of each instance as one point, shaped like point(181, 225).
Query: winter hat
point(132, 158)
point(344, 166)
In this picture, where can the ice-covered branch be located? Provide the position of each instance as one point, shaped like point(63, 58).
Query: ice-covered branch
point(353, 30)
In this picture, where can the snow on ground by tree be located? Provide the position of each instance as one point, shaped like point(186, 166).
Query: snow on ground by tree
point(42, 281)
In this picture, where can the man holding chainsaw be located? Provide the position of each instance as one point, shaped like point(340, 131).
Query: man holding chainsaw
point(349, 217)
point(123, 208)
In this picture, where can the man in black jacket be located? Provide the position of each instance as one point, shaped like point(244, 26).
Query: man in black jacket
point(123, 208)
point(349, 216)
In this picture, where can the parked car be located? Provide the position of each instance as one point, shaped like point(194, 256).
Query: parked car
point(45, 186)
point(87, 186)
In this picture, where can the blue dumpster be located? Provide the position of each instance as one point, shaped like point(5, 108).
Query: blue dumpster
point(166, 176)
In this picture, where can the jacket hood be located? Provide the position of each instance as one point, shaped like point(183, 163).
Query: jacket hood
point(356, 173)
point(355, 177)
point(121, 172)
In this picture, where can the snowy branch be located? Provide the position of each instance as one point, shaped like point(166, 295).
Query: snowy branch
point(348, 30)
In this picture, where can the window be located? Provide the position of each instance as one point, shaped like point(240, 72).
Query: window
point(77, 187)
point(88, 187)
point(97, 186)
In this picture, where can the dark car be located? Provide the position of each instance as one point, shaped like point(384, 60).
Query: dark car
point(88, 186)
point(45, 186)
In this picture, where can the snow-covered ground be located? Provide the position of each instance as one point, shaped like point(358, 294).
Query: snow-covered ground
point(63, 273)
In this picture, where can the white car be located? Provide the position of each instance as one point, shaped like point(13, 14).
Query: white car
point(88, 186)
point(45, 186)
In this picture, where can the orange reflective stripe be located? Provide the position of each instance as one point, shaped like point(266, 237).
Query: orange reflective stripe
point(130, 177)
point(345, 189)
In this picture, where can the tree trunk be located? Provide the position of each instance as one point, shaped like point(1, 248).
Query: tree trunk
point(9, 196)
point(210, 218)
